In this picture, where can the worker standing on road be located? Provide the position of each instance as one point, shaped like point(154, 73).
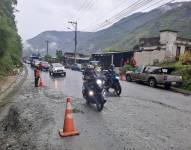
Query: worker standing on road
point(37, 76)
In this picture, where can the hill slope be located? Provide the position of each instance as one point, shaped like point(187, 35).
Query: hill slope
point(10, 42)
point(178, 19)
point(124, 34)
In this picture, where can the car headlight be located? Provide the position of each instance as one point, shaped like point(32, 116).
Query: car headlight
point(99, 82)
point(91, 93)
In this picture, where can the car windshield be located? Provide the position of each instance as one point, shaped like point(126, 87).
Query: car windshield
point(57, 65)
point(139, 69)
point(151, 69)
point(37, 62)
point(94, 62)
point(44, 63)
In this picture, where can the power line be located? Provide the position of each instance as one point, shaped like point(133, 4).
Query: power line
point(108, 23)
point(132, 6)
point(109, 11)
point(129, 10)
point(85, 5)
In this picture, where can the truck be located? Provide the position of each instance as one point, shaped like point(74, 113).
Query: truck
point(154, 75)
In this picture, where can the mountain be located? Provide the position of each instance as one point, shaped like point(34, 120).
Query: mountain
point(122, 35)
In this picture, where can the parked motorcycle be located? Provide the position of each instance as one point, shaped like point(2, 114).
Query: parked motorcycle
point(93, 91)
point(112, 81)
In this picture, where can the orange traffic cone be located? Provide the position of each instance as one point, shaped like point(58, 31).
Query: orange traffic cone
point(68, 129)
point(41, 84)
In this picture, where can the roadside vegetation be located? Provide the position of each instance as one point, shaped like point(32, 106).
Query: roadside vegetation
point(183, 68)
point(10, 41)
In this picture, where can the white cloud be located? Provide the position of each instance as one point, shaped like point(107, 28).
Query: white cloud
point(36, 16)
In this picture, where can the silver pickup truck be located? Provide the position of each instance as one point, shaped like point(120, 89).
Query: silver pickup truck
point(153, 76)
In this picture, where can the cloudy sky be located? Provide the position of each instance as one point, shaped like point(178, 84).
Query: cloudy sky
point(36, 16)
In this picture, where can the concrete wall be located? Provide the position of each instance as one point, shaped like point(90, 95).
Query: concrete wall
point(182, 49)
point(147, 57)
point(169, 38)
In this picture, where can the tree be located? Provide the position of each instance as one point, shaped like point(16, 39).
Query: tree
point(59, 55)
point(48, 58)
point(10, 41)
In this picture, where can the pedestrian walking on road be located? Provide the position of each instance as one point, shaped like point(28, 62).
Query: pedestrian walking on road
point(37, 76)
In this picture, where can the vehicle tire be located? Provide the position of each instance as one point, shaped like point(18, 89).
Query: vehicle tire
point(87, 102)
point(104, 91)
point(118, 89)
point(99, 106)
point(167, 86)
point(152, 82)
point(50, 73)
point(128, 78)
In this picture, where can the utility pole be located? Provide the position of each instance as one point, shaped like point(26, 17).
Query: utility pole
point(75, 24)
point(47, 43)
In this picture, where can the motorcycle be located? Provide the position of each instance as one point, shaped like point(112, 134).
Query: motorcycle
point(93, 92)
point(112, 81)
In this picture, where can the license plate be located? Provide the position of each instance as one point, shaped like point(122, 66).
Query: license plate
point(173, 83)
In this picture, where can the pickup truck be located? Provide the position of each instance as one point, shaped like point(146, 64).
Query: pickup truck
point(154, 76)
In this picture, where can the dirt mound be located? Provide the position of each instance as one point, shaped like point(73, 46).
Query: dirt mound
point(12, 127)
point(12, 123)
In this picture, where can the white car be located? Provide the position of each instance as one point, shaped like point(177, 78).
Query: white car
point(57, 69)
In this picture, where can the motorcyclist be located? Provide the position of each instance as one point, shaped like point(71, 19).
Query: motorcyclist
point(89, 76)
point(89, 73)
point(110, 74)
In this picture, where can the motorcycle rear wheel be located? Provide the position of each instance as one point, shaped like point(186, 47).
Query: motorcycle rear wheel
point(118, 89)
point(99, 106)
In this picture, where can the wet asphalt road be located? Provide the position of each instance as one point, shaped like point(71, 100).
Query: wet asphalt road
point(143, 118)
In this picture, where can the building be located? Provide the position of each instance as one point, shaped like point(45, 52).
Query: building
point(69, 58)
point(116, 58)
point(156, 49)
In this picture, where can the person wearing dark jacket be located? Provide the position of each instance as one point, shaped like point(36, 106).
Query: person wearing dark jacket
point(37, 76)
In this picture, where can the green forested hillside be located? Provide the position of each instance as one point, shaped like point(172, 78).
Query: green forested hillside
point(10, 41)
point(178, 19)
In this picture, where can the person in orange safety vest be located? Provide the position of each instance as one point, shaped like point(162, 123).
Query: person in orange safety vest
point(37, 76)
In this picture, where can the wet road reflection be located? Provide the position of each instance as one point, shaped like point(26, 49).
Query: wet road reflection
point(70, 85)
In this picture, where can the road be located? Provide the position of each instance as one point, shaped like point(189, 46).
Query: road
point(142, 118)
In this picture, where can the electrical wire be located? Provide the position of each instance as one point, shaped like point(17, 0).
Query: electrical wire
point(109, 12)
point(107, 23)
point(132, 8)
point(129, 10)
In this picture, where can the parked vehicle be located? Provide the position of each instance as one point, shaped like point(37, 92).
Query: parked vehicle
point(35, 63)
point(44, 65)
point(112, 81)
point(93, 90)
point(57, 69)
point(76, 67)
point(154, 76)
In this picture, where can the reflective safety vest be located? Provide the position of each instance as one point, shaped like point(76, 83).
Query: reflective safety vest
point(37, 73)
